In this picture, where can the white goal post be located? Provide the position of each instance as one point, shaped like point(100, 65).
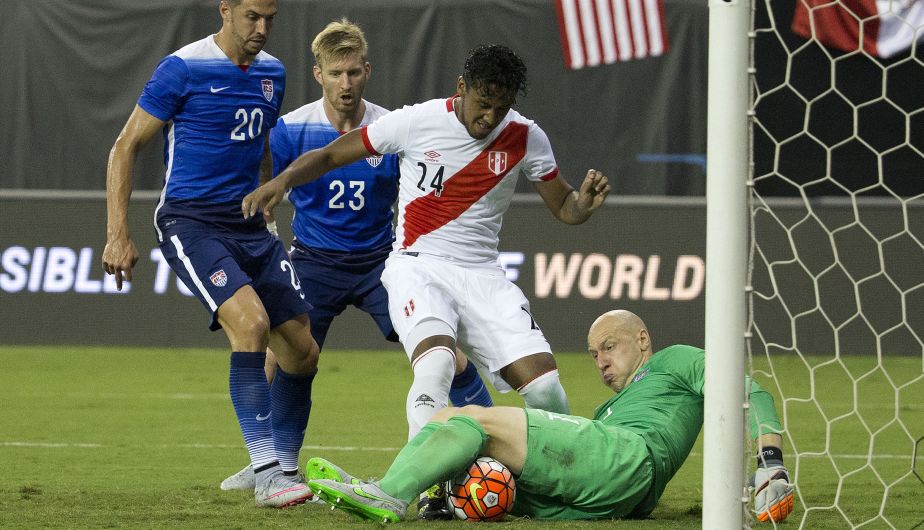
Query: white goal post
point(726, 272)
point(815, 256)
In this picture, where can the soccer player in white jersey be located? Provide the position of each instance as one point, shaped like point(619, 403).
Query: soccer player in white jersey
point(460, 159)
point(343, 221)
point(215, 101)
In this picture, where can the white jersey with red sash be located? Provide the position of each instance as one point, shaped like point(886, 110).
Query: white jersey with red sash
point(454, 189)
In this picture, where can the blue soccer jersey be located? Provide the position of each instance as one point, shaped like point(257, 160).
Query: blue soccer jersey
point(347, 209)
point(218, 115)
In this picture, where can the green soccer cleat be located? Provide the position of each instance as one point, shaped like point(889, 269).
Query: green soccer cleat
point(318, 468)
point(364, 500)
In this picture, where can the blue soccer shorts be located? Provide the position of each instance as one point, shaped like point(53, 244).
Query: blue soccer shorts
point(333, 280)
point(214, 264)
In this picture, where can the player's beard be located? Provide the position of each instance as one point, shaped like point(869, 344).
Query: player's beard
point(478, 132)
point(345, 105)
point(252, 47)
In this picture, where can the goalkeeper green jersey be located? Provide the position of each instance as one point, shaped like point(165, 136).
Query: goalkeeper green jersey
point(664, 405)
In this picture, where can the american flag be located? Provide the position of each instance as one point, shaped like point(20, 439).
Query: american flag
point(595, 32)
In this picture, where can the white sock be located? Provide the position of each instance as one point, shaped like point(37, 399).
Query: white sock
point(545, 392)
point(433, 373)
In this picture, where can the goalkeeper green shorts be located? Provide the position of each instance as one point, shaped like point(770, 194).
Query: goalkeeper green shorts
point(578, 468)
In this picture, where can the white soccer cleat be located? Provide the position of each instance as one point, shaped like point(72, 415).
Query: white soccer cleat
point(280, 491)
point(242, 480)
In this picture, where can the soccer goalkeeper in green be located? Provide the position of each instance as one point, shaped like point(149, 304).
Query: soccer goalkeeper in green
point(615, 465)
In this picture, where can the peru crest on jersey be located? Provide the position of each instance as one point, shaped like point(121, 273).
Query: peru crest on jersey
point(455, 188)
point(497, 162)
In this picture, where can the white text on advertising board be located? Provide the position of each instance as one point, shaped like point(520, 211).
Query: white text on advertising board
point(625, 277)
point(591, 276)
point(63, 269)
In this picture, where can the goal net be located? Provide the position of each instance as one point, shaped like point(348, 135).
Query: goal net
point(836, 264)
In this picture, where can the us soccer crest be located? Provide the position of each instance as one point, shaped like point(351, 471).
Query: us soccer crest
point(267, 89)
point(497, 162)
point(219, 279)
point(374, 161)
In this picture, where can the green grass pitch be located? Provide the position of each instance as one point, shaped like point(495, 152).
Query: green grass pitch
point(141, 438)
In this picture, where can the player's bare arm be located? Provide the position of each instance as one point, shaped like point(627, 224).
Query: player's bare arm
point(120, 254)
point(572, 206)
point(769, 440)
point(266, 174)
point(266, 161)
point(308, 167)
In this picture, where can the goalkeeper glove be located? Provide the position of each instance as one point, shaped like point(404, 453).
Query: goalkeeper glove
point(773, 494)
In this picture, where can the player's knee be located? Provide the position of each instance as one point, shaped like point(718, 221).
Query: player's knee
point(248, 333)
point(257, 327)
point(302, 354)
point(475, 411)
point(312, 353)
point(545, 392)
point(524, 370)
point(444, 414)
point(427, 334)
point(497, 422)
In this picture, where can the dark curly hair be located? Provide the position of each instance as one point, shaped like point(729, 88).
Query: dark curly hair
point(495, 67)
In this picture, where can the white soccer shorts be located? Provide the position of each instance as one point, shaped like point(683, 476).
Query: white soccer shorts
point(477, 305)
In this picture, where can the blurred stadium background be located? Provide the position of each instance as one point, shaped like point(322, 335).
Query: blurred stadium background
point(838, 140)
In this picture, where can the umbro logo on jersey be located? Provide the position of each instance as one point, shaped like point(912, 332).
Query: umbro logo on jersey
point(219, 89)
point(267, 85)
point(424, 400)
point(432, 155)
point(497, 162)
point(374, 161)
point(219, 279)
point(641, 375)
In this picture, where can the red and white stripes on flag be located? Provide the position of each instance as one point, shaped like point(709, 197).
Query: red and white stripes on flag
point(595, 32)
point(882, 28)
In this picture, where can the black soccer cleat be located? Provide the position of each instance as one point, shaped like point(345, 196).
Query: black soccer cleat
point(433, 506)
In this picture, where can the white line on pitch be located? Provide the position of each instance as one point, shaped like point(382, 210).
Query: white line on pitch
point(845, 457)
point(312, 447)
point(347, 448)
point(353, 448)
point(48, 444)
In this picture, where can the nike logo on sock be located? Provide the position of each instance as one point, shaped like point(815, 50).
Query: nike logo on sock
point(263, 418)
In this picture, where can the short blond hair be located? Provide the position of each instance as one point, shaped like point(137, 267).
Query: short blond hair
point(340, 39)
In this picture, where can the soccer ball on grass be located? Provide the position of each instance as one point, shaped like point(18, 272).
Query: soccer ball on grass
point(485, 492)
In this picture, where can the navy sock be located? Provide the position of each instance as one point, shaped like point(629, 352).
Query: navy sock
point(468, 389)
point(290, 396)
point(250, 395)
